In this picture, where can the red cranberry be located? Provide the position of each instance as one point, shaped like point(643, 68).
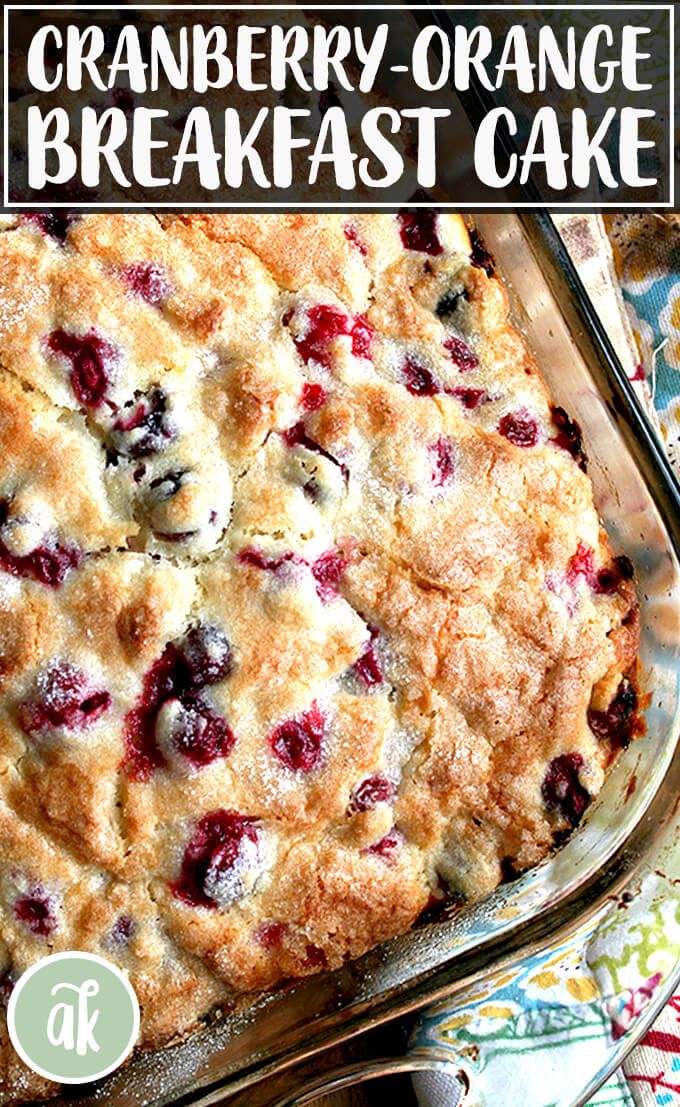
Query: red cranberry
point(297, 436)
point(52, 225)
point(315, 957)
point(326, 323)
point(470, 398)
point(419, 381)
point(270, 934)
point(160, 684)
point(206, 653)
point(480, 256)
point(36, 910)
point(582, 564)
point(198, 732)
point(568, 436)
point(418, 230)
point(144, 426)
point(352, 235)
point(388, 847)
point(362, 337)
point(312, 397)
point(604, 581)
point(616, 724)
point(221, 861)
point(202, 657)
point(47, 564)
point(65, 698)
point(443, 461)
point(122, 930)
point(461, 354)
point(610, 577)
point(259, 560)
point(147, 281)
point(297, 741)
point(328, 571)
point(520, 428)
point(92, 362)
point(562, 790)
point(368, 667)
point(372, 791)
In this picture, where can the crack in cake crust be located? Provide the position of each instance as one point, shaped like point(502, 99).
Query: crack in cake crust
point(305, 606)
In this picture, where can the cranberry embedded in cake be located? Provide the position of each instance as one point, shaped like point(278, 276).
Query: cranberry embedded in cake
point(144, 426)
point(479, 255)
point(315, 957)
point(352, 235)
point(604, 581)
point(191, 727)
point(48, 563)
point(443, 453)
point(270, 934)
point(610, 577)
point(298, 742)
point(148, 281)
point(122, 930)
point(449, 303)
point(568, 436)
point(206, 654)
point(461, 354)
point(36, 909)
point(65, 698)
point(617, 724)
point(418, 379)
point(172, 719)
point(328, 571)
point(419, 231)
point(372, 791)
point(562, 790)
point(519, 427)
point(470, 398)
point(297, 436)
point(52, 225)
point(387, 848)
point(223, 861)
point(323, 324)
point(368, 667)
point(7, 986)
point(260, 560)
point(313, 396)
point(93, 361)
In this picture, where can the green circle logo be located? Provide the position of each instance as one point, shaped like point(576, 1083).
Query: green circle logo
point(73, 1017)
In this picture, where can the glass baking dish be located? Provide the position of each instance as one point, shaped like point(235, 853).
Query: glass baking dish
point(631, 828)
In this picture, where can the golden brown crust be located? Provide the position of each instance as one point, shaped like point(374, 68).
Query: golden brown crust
point(315, 448)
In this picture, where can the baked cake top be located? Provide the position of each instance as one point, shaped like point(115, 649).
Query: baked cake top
point(306, 613)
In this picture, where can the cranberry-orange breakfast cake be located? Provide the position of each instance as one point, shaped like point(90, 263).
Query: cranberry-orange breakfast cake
point(306, 613)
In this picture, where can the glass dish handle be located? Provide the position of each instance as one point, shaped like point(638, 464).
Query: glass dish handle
point(360, 1072)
